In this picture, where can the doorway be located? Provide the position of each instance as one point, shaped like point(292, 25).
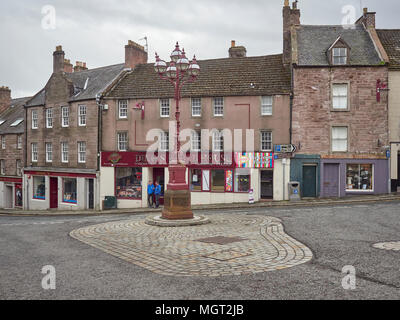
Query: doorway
point(309, 181)
point(18, 195)
point(8, 197)
point(90, 195)
point(159, 176)
point(267, 184)
point(331, 180)
point(53, 193)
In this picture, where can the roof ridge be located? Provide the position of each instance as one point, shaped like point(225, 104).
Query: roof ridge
point(98, 68)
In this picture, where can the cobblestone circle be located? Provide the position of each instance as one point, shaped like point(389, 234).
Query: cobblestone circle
point(251, 244)
point(395, 246)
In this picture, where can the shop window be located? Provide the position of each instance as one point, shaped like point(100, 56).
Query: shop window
point(206, 180)
point(69, 190)
point(242, 180)
point(128, 183)
point(218, 180)
point(359, 177)
point(39, 188)
point(195, 180)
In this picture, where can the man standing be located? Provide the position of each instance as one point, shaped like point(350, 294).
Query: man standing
point(157, 193)
point(150, 193)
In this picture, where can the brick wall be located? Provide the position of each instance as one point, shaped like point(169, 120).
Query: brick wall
point(313, 117)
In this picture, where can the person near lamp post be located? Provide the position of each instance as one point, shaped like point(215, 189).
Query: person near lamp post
point(157, 194)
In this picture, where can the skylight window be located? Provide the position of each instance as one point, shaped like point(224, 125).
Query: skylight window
point(16, 122)
point(2, 121)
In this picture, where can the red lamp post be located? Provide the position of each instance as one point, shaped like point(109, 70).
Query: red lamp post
point(177, 198)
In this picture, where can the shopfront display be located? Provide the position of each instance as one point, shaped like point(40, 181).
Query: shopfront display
point(128, 183)
point(39, 188)
point(242, 180)
point(359, 177)
point(69, 190)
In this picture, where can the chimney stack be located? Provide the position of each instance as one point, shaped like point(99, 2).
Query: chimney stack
point(368, 19)
point(291, 17)
point(58, 60)
point(134, 55)
point(80, 66)
point(68, 67)
point(237, 51)
point(5, 99)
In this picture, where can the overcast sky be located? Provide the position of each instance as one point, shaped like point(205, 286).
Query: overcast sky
point(96, 31)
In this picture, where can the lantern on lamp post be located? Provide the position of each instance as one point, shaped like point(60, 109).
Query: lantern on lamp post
point(177, 198)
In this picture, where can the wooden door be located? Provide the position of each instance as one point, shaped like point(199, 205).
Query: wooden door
point(53, 193)
point(309, 188)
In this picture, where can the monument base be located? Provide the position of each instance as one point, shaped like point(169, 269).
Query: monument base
point(177, 205)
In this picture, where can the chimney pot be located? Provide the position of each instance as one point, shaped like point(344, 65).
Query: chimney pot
point(58, 60)
point(286, 3)
point(5, 98)
point(233, 43)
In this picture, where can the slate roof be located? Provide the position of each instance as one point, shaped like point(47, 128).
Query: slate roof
point(16, 111)
point(314, 41)
point(390, 39)
point(99, 79)
point(247, 76)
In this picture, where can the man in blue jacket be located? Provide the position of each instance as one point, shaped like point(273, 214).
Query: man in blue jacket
point(157, 193)
point(150, 194)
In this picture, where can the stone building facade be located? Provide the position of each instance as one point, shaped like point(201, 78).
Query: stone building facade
point(339, 121)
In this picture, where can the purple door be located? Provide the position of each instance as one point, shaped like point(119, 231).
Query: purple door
point(331, 180)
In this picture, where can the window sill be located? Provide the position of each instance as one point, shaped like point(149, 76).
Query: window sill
point(68, 202)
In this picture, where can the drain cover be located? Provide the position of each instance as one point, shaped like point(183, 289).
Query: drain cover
point(221, 240)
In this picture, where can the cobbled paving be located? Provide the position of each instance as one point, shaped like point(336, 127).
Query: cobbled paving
point(264, 246)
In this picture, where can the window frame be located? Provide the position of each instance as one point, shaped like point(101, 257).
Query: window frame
point(2, 167)
point(347, 138)
point(33, 188)
point(63, 152)
point(119, 134)
point(372, 178)
point(63, 117)
point(262, 132)
point(162, 142)
point(164, 108)
point(18, 172)
point(215, 106)
point(3, 142)
point(35, 120)
point(340, 56)
point(116, 186)
point(269, 106)
point(49, 152)
point(81, 143)
point(347, 83)
point(49, 118)
point(125, 102)
point(70, 202)
point(34, 152)
point(82, 116)
point(19, 141)
point(199, 107)
point(198, 141)
point(221, 142)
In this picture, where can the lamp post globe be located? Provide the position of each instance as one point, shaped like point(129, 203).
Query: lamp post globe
point(194, 68)
point(176, 54)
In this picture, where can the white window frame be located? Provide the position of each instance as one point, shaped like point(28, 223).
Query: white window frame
point(337, 94)
point(264, 141)
point(333, 139)
point(82, 115)
point(164, 108)
point(34, 154)
point(339, 53)
point(164, 141)
point(217, 141)
point(35, 119)
point(49, 118)
point(196, 107)
point(64, 152)
point(123, 109)
point(49, 152)
point(81, 152)
point(123, 144)
point(195, 139)
point(267, 103)
point(18, 166)
point(19, 141)
point(218, 107)
point(2, 167)
point(3, 142)
point(65, 117)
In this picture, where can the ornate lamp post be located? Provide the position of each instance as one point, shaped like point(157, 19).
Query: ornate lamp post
point(177, 198)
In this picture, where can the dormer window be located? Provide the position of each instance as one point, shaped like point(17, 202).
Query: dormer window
point(338, 53)
point(339, 56)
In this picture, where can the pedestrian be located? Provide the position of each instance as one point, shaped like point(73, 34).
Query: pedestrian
point(157, 193)
point(150, 193)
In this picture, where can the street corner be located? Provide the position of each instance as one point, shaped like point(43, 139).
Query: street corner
point(230, 245)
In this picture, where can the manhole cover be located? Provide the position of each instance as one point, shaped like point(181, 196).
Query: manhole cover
point(221, 240)
point(227, 255)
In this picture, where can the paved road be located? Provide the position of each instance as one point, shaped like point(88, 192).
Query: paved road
point(337, 235)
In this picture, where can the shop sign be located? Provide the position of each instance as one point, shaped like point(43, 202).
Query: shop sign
point(254, 160)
